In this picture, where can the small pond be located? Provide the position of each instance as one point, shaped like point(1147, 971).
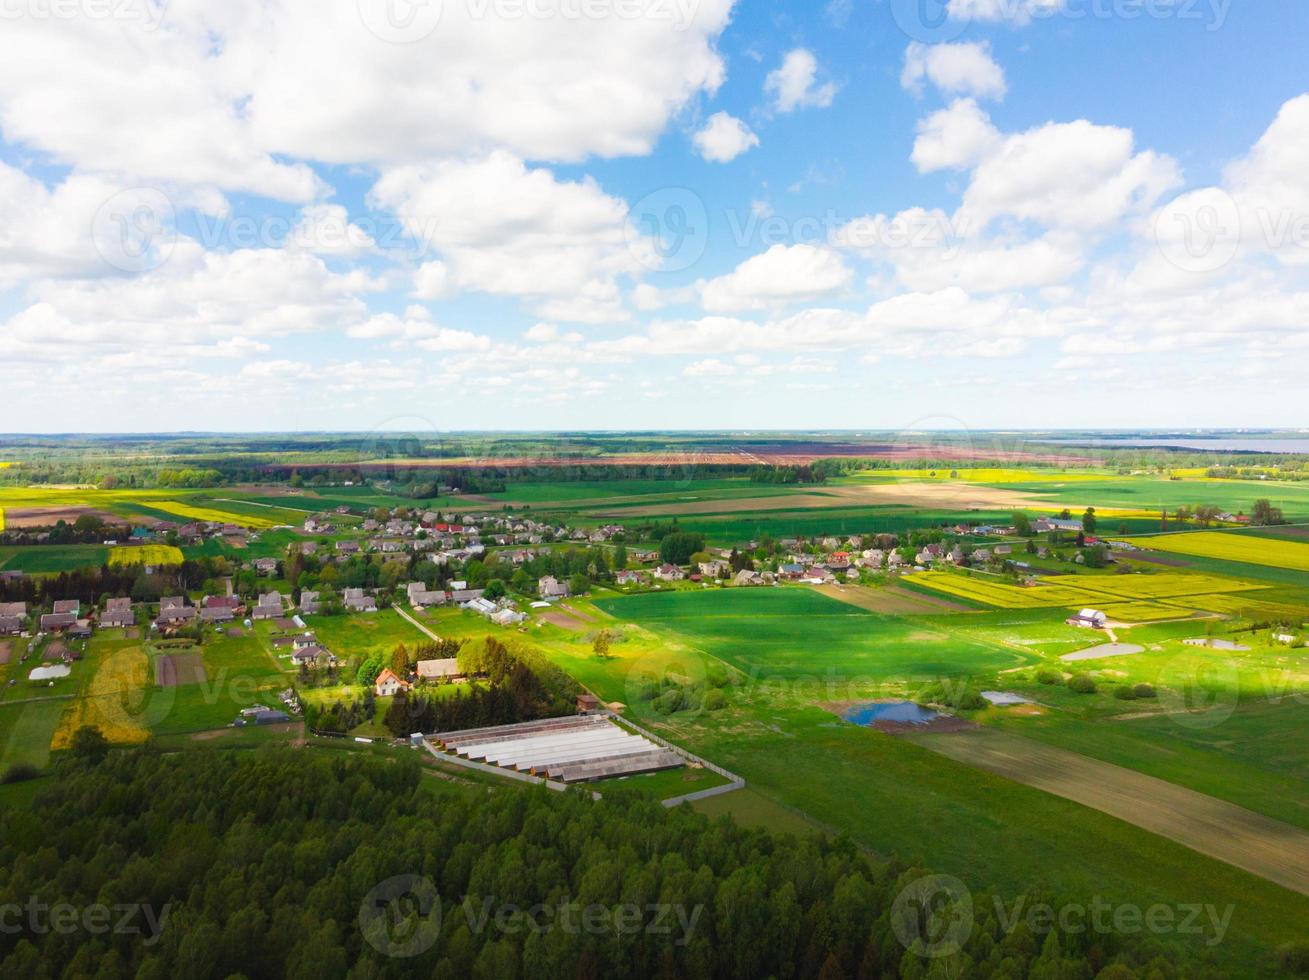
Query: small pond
point(904, 712)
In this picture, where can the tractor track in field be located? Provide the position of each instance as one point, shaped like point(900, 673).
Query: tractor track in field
point(1251, 841)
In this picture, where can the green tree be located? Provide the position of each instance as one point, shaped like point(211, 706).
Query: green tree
point(1089, 523)
point(89, 744)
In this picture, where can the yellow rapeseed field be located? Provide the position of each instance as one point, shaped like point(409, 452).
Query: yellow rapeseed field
point(1233, 546)
point(146, 554)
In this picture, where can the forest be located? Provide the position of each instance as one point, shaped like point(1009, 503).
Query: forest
point(309, 865)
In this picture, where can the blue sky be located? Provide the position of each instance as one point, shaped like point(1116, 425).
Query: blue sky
point(478, 214)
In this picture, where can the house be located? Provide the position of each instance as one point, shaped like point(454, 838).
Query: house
point(348, 547)
point(309, 655)
point(461, 596)
point(791, 570)
point(1089, 619)
point(67, 606)
point(669, 573)
point(747, 577)
point(628, 578)
point(18, 609)
point(439, 670)
point(309, 605)
point(56, 622)
point(10, 625)
point(173, 612)
point(356, 601)
point(217, 614)
point(715, 569)
point(267, 567)
point(388, 685)
point(269, 606)
point(929, 554)
point(421, 597)
point(551, 588)
point(587, 704)
point(818, 575)
point(308, 547)
point(118, 613)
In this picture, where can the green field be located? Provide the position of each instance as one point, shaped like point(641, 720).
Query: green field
point(795, 634)
point(1246, 759)
point(889, 794)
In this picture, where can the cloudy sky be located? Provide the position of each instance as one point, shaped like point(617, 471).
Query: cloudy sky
point(546, 214)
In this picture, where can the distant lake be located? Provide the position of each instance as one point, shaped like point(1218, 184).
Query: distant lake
point(905, 712)
point(1203, 445)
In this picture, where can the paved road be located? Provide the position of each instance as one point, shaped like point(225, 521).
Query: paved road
point(1258, 844)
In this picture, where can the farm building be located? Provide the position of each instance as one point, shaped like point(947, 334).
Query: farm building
point(18, 609)
point(577, 749)
point(439, 670)
point(1089, 619)
point(67, 606)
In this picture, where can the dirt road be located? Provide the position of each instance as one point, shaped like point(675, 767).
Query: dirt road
point(416, 623)
point(1258, 844)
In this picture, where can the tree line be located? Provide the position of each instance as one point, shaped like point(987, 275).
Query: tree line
point(287, 864)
